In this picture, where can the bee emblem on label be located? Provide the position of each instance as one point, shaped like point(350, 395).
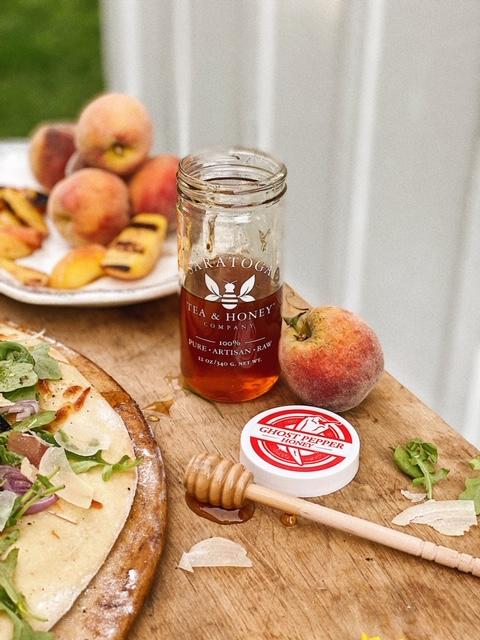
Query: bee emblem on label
point(229, 299)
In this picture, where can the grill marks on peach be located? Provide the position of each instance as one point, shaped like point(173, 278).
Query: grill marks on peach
point(134, 252)
point(132, 247)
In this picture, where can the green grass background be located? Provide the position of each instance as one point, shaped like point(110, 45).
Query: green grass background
point(50, 63)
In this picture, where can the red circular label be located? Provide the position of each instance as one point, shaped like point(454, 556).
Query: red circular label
point(302, 440)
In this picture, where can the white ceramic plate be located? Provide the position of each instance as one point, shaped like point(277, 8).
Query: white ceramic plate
point(105, 292)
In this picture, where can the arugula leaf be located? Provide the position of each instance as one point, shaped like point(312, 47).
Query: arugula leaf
point(93, 461)
point(7, 456)
point(46, 367)
point(21, 629)
point(402, 459)
point(7, 572)
point(35, 421)
point(418, 459)
point(45, 480)
point(13, 602)
point(124, 464)
point(7, 539)
point(7, 569)
point(472, 492)
point(41, 488)
point(15, 375)
point(15, 352)
point(81, 464)
point(475, 463)
point(25, 393)
point(46, 436)
point(435, 477)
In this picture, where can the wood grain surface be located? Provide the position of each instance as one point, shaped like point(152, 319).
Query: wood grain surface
point(307, 582)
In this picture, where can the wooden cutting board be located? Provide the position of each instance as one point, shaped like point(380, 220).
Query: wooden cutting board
point(115, 596)
point(307, 582)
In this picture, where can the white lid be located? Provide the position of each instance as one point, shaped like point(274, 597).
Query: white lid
point(299, 450)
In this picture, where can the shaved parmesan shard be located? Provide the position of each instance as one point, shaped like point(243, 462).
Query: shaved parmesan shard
point(413, 497)
point(7, 500)
point(215, 552)
point(185, 563)
point(65, 511)
point(28, 470)
point(82, 446)
point(76, 491)
point(450, 517)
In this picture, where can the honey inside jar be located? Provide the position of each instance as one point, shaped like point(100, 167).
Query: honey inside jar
point(230, 349)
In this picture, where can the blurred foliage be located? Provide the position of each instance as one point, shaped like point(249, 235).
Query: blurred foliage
point(50, 63)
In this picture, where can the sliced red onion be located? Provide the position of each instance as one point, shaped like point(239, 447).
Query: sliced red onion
point(14, 480)
point(23, 409)
point(42, 504)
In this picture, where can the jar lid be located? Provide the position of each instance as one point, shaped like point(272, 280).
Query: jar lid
point(300, 450)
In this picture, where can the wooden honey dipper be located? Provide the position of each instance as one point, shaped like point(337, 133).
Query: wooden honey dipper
point(224, 483)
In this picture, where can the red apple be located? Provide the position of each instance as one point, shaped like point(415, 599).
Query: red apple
point(330, 358)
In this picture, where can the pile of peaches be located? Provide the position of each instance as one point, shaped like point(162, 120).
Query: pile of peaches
point(111, 201)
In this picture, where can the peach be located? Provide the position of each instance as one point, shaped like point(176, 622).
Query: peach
point(136, 250)
point(18, 241)
point(114, 132)
point(330, 358)
point(74, 163)
point(153, 188)
point(51, 146)
point(90, 206)
point(26, 275)
point(24, 209)
point(78, 267)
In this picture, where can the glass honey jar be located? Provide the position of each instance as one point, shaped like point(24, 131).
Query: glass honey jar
point(229, 253)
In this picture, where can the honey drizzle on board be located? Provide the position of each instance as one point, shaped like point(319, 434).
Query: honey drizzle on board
point(219, 515)
point(289, 520)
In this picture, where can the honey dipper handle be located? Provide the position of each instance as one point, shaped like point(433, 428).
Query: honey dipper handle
point(365, 529)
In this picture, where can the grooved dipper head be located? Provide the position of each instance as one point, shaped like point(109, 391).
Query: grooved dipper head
point(217, 481)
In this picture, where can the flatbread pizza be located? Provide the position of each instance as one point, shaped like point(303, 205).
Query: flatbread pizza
point(67, 483)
